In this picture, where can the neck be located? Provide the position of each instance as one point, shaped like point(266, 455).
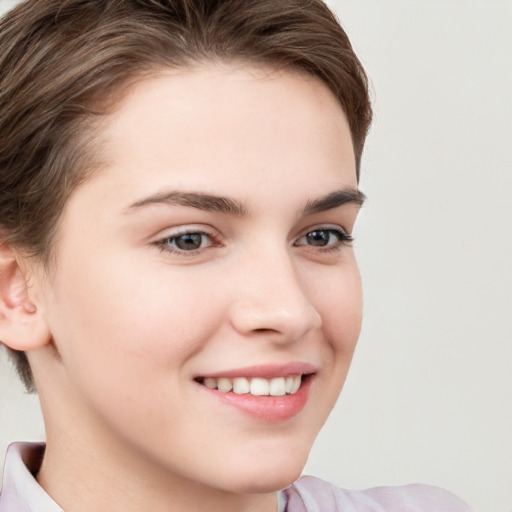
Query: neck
point(90, 465)
point(83, 478)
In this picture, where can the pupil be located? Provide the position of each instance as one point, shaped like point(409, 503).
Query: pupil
point(189, 242)
point(318, 238)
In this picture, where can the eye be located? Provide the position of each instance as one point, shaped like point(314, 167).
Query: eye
point(327, 238)
point(190, 241)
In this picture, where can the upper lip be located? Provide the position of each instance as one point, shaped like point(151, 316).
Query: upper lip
point(266, 371)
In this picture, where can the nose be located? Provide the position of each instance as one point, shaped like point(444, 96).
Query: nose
point(272, 300)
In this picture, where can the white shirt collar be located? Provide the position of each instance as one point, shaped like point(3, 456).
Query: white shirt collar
point(20, 490)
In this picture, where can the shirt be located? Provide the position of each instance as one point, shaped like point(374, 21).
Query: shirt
point(22, 493)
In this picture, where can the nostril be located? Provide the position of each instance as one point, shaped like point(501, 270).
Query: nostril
point(264, 331)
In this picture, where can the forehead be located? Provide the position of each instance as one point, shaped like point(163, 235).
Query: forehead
point(257, 135)
point(210, 117)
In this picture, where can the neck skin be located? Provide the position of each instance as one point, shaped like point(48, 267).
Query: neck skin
point(88, 468)
point(82, 476)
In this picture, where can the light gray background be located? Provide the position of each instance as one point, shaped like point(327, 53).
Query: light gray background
point(429, 397)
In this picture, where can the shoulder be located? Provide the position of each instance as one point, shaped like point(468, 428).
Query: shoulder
point(309, 494)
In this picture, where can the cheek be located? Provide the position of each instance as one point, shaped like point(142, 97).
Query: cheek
point(339, 302)
point(340, 306)
point(120, 327)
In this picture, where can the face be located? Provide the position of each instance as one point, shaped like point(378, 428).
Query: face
point(212, 252)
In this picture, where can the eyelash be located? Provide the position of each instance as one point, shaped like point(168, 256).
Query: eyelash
point(342, 239)
point(164, 245)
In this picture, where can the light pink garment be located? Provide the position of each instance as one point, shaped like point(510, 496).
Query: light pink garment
point(309, 494)
point(22, 493)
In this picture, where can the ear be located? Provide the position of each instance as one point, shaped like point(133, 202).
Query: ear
point(22, 324)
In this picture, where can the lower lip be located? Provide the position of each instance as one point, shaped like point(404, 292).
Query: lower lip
point(266, 408)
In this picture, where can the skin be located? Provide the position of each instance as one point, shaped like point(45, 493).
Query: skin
point(131, 321)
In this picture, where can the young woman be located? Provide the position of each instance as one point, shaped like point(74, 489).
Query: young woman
point(178, 188)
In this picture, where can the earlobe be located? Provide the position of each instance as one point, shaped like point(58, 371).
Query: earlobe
point(22, 324)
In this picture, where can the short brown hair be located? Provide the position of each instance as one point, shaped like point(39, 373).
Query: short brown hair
point(63, 63)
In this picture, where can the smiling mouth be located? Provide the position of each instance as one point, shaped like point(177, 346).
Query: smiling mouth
point(255, 386)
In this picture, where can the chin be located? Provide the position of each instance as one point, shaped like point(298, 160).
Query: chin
point(269, 477)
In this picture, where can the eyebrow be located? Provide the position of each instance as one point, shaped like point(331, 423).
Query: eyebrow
point(201, 201)
point(334, 200)
point(236, 208)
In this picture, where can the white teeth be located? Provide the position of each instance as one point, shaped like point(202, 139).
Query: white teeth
point(224, 385)
point(277, 387)
point(296, 384)
point(257, 386)
point(241, 385)
point(210, 383)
